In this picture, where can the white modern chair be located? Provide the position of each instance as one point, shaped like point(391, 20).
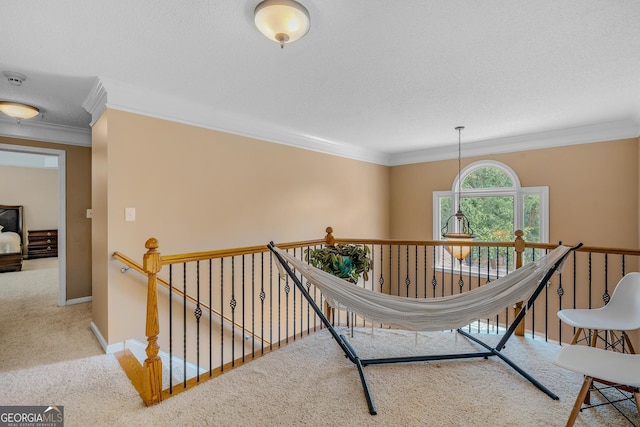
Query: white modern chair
point(622, 313)
point(616, 368)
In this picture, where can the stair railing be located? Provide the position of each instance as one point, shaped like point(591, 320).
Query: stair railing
point(403, 267)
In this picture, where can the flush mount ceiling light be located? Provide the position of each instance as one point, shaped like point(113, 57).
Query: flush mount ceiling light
point(283, 21)
point(17, 110)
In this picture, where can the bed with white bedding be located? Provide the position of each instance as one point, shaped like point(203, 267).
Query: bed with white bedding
point(11, 236)
point(10, 242)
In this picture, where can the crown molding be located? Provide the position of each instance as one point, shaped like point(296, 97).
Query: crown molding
point(116, 95)
point(45, 132)
point(96, 101)
point(600, 132)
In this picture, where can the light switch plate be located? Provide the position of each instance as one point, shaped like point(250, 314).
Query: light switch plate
point(129, 214)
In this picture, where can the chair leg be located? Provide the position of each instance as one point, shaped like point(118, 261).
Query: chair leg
point(594, 342)
point(636, 394)
point(576, 336)
point(628, 341)
point(586, 385)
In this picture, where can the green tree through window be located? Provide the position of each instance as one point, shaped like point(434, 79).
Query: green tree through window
point(495, 204)
point(487, 177)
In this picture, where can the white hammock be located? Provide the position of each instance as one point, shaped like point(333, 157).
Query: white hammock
point(429, 314)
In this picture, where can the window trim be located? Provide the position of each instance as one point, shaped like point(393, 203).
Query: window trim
point(516, 191)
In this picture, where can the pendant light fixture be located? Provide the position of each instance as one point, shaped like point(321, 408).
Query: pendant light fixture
point(283, 21)
point(457, 227)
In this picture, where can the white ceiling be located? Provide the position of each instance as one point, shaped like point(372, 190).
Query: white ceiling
point(377, 80)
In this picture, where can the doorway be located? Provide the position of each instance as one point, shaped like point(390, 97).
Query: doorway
point(60, 156)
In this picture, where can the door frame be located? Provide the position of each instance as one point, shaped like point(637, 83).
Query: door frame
point(62, 210)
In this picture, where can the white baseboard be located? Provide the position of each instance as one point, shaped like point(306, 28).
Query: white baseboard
point(78, 300)
point(139, 350)
point(101, 340)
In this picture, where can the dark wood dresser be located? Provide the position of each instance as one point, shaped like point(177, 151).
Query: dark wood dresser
point(42, 244)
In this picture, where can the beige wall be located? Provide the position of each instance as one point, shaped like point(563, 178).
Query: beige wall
point(196, 189)
point(78, 200)
point(99, 253)
point(593, 191)
point(593, 195)
point(34, 188)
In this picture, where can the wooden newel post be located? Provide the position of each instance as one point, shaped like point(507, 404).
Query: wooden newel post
point(152, 370)
point(329, 240)
point(519, 249)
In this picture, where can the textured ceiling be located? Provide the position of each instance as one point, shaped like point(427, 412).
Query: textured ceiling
point(376, 76)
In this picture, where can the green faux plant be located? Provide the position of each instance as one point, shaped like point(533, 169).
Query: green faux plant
point(342, 260)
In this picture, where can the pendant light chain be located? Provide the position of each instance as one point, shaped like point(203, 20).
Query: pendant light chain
point(459, 129)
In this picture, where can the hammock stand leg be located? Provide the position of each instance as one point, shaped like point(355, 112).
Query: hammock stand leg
point(497, 352)
point(363, 378)
point(341, 340)
point(492, 351)
point(543, 283)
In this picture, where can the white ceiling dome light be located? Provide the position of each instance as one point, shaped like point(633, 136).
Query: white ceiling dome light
point(283, 21)
point(17, 110)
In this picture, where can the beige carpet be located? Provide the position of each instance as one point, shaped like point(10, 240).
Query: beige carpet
point(48, 356)
point(34, 330)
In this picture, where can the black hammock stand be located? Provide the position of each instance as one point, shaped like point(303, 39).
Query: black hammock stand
point(351, 354)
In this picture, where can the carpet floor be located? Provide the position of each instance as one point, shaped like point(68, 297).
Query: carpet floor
point(48, 356)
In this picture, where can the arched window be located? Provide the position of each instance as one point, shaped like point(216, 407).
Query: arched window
point(495, 204)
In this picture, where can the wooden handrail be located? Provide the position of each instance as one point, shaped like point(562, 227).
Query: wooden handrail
point(222, 253)
point(615, 251)
point(529, 245)
point(137, 267)
point(248, 250)
point(401, 242)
